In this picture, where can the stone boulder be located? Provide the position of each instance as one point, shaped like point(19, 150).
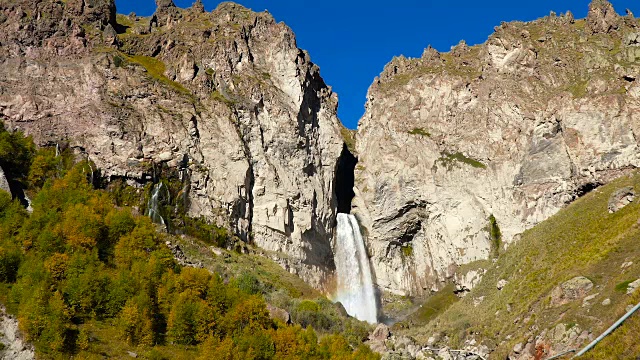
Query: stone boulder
point(378, 339)
point(602, 18)
point(4, 183)
point(632, 39)
point(277, 313)
point(631, 288)
point(163, 4)
point(381, 333)
point(621, 198)
point(501, 284)
point(571, 290)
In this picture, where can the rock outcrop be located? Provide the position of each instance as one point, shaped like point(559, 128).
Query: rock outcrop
point(12, 346)
point(621, 198)
point(226, 98)
point(4, 183)
point(513, 130)
point(571, 290)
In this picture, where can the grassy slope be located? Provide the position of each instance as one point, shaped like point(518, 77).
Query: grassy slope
point(232, 264)
point(581, 240)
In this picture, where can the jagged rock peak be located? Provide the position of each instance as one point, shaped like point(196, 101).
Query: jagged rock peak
point(103, 11)
point(430, 54)
point(163, 4)
point(198, 6)
point(569, 17)
point(230, 6)
point(602, 17)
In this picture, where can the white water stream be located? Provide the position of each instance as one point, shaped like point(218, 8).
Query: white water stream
point(355, 284)
point(158, 194)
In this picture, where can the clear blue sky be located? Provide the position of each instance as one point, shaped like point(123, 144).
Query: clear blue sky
point(352, 40)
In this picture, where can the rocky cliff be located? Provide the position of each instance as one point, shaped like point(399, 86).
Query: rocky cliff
point(12, 345)
point(460, 152)
point(226, 98)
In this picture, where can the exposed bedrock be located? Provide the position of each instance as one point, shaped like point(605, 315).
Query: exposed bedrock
point(517, 128)
point(227, 95)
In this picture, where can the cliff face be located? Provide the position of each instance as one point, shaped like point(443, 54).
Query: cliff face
point(225, 97)
point(500, 135)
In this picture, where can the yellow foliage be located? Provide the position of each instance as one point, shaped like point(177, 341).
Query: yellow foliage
point(213, 348)
point(135, 326)
point(57, 265)
point(136, 245)
point(196, 280)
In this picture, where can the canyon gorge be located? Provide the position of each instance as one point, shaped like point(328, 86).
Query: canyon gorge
point(456, 156)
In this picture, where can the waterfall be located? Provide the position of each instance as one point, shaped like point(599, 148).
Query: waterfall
point(28, 201)
point(159, 194)
point(90, 168)
point(355, 285)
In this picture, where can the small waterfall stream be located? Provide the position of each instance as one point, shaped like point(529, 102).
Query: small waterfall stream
point(355, 284)
point(159, 194)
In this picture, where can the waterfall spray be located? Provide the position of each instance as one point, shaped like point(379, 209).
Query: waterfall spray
point(355, 284)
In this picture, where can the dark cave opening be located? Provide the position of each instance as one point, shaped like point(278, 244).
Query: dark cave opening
point(586, 188)
point(345, 180)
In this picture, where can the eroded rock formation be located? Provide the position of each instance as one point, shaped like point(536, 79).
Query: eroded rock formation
point(226, 97)
point(512, 130)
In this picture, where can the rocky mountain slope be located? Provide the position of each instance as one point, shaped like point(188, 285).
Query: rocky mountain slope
point(460, 152)
point(562, 285)
point(225, 99)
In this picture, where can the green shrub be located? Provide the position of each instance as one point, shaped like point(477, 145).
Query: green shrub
point(9, 263)
point(209, 233)
point(308, 305)
point(495, 235)
point(419, 131)
point(16, 153)
point(407, 250)
point(118, 61)
point(623, 286)
point(349, 138)
point(449, 159)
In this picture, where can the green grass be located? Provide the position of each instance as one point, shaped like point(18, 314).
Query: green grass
point(217, 96)
point(420, 131)
point(622, 287)
point(349, 138)
point(495, 234)
point(578, 88)
point(581, 240)
point(622, 343)
point(124, 20)
point(449, 159)
point(432, 307)
point(156, 69)
point(232, 264)
point(407, 250)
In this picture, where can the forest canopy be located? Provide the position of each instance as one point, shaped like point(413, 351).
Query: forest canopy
point(80, 271)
